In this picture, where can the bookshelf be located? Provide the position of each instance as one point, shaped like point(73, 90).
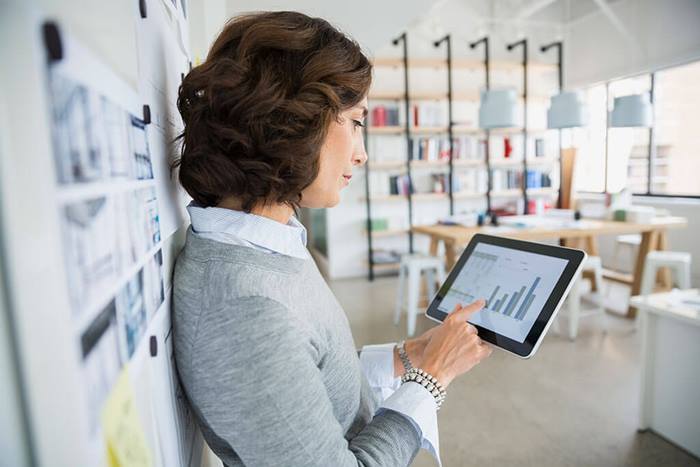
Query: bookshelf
point(408, 137)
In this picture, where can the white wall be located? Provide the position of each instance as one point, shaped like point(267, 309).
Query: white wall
point(13, 430)
point(661, 34)
point(107, 26)
point(371, 23)
point(206, 20)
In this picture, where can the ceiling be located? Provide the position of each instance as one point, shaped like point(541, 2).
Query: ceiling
point(555, 11)
point(375, 23)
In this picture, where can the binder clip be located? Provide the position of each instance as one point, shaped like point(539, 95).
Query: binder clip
point(52, 41)
point(153, 346)
point(146, 114)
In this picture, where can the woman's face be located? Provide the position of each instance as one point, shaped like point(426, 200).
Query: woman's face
point(343, 149)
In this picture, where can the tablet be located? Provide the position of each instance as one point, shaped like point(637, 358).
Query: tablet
point(524, 285)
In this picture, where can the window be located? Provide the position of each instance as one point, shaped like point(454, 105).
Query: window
point(628, 148)
point(674, 137)
point(589, 142)
point(676, 162)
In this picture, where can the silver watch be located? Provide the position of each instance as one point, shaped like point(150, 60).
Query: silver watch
point(407, 366)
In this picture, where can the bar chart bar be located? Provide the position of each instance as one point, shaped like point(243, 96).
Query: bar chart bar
point(493, 295)
point(524, 308)
point(528, 299)
point(500, 303)
point(513, 301)
point(520, 296)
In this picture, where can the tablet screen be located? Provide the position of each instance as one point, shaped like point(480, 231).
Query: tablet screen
point(515, 284)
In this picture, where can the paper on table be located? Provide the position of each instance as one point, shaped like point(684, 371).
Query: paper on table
point(545, 222)
point(681, 298)
point(124, 435)
point(497, 229)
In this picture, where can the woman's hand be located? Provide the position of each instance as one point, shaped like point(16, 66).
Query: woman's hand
point(454, 347)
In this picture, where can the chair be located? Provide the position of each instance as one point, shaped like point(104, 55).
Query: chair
point(629, 243)
point(595, 299)
point(411, 269)
point(677, 261)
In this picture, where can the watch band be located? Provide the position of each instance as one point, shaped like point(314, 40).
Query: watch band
point(407, 366)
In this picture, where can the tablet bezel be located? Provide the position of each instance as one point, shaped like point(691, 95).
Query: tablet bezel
point(528, 347)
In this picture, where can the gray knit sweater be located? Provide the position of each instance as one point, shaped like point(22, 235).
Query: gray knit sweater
point(265, 355)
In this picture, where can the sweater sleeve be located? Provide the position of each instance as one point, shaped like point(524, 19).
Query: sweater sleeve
point(257, 387)
point(410, 400)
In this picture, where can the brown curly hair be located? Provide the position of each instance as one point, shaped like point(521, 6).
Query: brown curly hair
point(257, 111)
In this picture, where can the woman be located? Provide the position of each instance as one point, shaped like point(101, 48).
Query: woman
point(264, 352)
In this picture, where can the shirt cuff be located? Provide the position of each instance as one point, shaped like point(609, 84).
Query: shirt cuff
point(377, 362)
point(417, 404)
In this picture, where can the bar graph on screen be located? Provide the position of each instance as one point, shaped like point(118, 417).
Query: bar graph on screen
point(514, 303)
point(514, 283)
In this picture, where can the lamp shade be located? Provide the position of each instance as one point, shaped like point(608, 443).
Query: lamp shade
point(630, 111)
point(567, 110)
point(498, 108)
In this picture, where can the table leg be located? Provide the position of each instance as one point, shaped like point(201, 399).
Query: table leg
point(663, 275)
point(570, 242)
point(648, 243)
point(592, 245)
point(449, 254)
point(434, 241)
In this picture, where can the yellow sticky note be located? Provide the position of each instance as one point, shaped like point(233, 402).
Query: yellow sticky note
point(124, 435)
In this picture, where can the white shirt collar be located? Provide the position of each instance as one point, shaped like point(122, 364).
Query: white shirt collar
point(229, 226)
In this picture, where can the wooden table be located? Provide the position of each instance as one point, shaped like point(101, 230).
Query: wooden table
point(582, 234)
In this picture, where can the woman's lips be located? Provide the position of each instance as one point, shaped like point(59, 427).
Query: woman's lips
point(347, 178)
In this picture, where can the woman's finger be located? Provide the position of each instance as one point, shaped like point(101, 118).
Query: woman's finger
point(463, 313)
point(485, 349)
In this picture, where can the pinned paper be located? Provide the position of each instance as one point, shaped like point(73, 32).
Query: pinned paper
point(124, 435)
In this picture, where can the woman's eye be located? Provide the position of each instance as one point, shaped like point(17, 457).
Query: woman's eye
point(358, 123)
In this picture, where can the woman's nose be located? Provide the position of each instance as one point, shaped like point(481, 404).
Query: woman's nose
point(360, 155)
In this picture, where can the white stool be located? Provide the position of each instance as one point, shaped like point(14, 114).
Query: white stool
point(411, 269)
point(677, 261)
point(629, 242)
point(573, 301)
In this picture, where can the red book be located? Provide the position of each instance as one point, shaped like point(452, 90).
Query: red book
point(507, 147)
point(379, 116)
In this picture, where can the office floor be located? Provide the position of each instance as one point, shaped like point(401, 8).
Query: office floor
point(573, 404)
